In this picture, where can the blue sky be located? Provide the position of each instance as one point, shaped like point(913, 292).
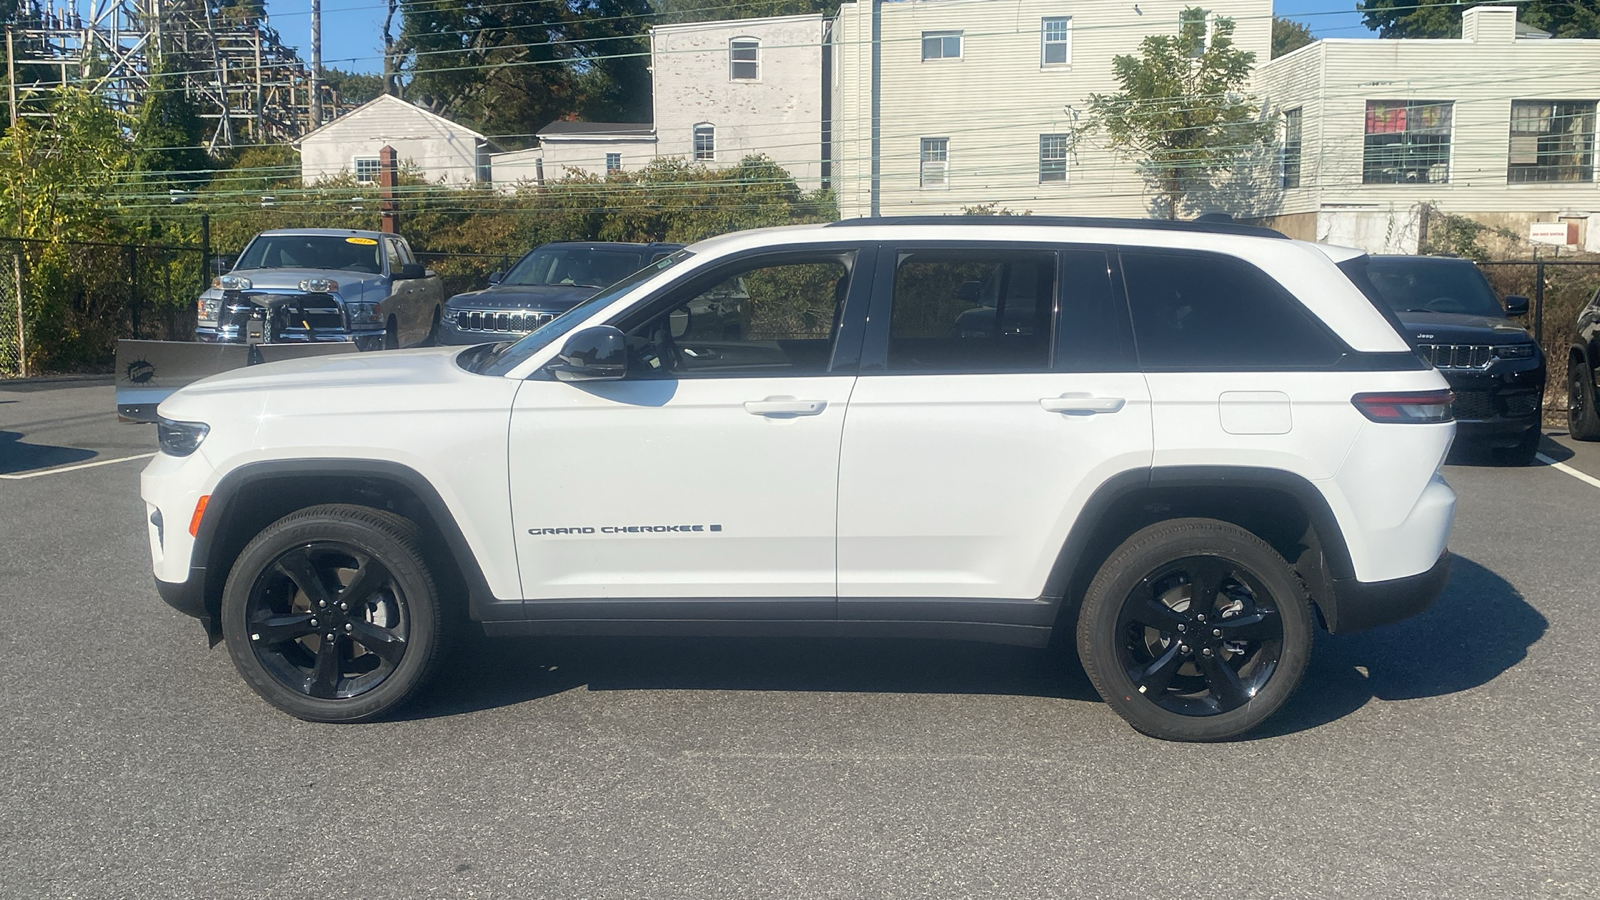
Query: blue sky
point(352, 30)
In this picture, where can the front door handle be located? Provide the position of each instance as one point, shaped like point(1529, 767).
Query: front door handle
point(1082, 405)
point(784, 407)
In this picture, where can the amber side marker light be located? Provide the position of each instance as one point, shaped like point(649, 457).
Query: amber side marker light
point(199, 511)
point(1405, 407)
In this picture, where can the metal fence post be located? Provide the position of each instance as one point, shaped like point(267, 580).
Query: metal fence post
point(22, 333)
point(205, 252)
point(1538, 302)
point(133, 289)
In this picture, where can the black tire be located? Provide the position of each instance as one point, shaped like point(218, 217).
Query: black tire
point(391, 335)
point(1583, 420)
point(1182, 672)
point(355, 573)
point(433, 330)
point(1522, 452)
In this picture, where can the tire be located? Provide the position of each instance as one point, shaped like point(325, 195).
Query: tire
point(1583, 421)
point(1160, 662)
point(301, 570)
point(1522, 452)
point(432, 340)
point(391, 335)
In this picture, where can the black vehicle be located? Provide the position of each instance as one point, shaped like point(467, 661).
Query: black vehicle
point(547, 282)
point(1583, 421)
point(1494, 366)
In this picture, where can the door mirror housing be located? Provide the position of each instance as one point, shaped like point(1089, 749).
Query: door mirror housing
point(597, 353)
point(1516, 305)
point(496, 276)
point(412, 270)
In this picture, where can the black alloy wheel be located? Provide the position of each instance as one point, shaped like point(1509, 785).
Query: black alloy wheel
point(1583, 421)
point(331, 615)
point(1195, 630)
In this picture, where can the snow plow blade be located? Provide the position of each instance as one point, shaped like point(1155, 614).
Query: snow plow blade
point(149, 372)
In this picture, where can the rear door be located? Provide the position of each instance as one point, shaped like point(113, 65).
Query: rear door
point(998, 390)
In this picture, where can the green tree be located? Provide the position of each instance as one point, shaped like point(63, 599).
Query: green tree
point(708, 10)
point(1288, 36)
point(1442, 18)
point(1180, 111)
point(354, 88)
point(169, 135)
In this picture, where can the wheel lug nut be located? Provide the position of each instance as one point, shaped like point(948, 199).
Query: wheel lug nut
point(313, 623)
point(330, 636)
point(1216, 632)
point(344, 606)
point(321, 604)
point(1184, 649)
point(348, 627)
point(1206, 652)
point(1201, 618)
point(1182, 628)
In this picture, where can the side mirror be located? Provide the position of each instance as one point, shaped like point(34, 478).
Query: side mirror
point(412, 270)
point(1516, 305)
point(597, 353)
point(496, 276)
point(678, 321)
point(970, 291)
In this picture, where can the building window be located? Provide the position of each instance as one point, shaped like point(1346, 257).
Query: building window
point(1407, 142)
point(1551, 140)
point(1052, 157)
point(935, 162)
point(941, 45)
point(705, 142)
point(744, 59)
point(366, 169)
point(1291, 148)
point(613, 163)
point(1055, 36)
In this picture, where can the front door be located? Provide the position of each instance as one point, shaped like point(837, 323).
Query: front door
point(998, 389)
point(709, 475)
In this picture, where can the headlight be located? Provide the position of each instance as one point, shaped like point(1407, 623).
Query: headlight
point(363, 313)
point(319, 285)
point(1515, 351)
point(233, 283)
point(180, 438)
point(205, 308)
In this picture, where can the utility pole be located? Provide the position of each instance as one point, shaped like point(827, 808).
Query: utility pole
point(316, 64)
point(11, 75)
point(388, 176)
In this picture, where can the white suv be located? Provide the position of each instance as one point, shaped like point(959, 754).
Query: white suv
point(1180, 442)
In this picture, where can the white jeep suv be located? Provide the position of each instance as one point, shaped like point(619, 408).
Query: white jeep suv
point(1180, 443)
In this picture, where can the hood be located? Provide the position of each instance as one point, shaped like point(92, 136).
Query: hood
point(1461, 328)
point(289, 279)
point(540, 297)
point(391, 368)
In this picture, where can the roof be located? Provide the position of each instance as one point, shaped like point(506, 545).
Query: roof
point(578, 129)
point(387, 100)
point(614, 245)
point(326, 232)
point(1067, 222)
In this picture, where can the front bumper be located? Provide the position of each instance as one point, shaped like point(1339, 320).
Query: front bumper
point(1359, 605)
point(1500, 404)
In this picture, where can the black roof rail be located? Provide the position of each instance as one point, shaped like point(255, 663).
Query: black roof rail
point(1211, 226)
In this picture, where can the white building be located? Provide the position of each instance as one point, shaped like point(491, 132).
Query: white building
point(1498, 126)
point(441, 150)
point(725, 90)
point(945, 104)
point(596, 148)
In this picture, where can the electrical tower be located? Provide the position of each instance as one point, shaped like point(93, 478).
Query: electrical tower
point(250, 86)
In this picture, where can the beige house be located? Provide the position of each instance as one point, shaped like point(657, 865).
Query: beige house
point(945, 104)
point(1498, 126)
point(441, 150)
point(595, 148)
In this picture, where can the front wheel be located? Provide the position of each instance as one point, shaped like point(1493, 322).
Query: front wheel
point(1583, 421)
point(331, 614)
point(1195, 630)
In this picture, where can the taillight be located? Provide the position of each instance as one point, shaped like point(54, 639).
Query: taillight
point(1412, 406)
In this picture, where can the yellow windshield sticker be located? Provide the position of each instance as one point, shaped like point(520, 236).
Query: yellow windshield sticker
point(365, 242)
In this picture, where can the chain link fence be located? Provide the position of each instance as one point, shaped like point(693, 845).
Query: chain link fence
point(13, 349)
point(1557, 289)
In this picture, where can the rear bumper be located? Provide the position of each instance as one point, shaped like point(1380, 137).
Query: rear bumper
point(1359, 605)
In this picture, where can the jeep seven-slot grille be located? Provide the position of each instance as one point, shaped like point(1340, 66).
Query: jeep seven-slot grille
point(1456, 356)
point(491, 320)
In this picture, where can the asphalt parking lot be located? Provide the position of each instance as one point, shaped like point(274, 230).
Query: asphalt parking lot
point(1453, 755)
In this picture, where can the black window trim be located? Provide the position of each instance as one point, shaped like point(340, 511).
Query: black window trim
point(846, 348)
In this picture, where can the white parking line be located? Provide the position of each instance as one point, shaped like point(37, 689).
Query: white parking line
point(88, 465)
point(1587, 479)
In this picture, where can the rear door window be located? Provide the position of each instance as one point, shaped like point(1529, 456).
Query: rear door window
point(971, 311)
point(1210, 312)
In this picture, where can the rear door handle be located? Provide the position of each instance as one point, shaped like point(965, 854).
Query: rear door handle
point(784, 407)
point(1086, 406)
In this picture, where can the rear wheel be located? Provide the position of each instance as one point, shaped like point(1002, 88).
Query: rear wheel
point(391, 335)
point(331, 614)
point(1583, 422)
point(1195, 630)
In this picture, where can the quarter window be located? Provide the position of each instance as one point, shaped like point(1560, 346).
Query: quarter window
point(1291, 148)
point(744, 59)
point(763, 318)
point(366, 169)
point(941, 45)
point(1407, 142)
point(1052, 157)
point(705, 142)
point(935, 162)
point(1196, 312)
point(1055, 37)
point(1551, 140)
point(972, 311)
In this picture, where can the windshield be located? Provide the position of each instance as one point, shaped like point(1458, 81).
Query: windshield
point(1421, 284)
point(510, 356)
point(580, 266)
point(312, 251)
